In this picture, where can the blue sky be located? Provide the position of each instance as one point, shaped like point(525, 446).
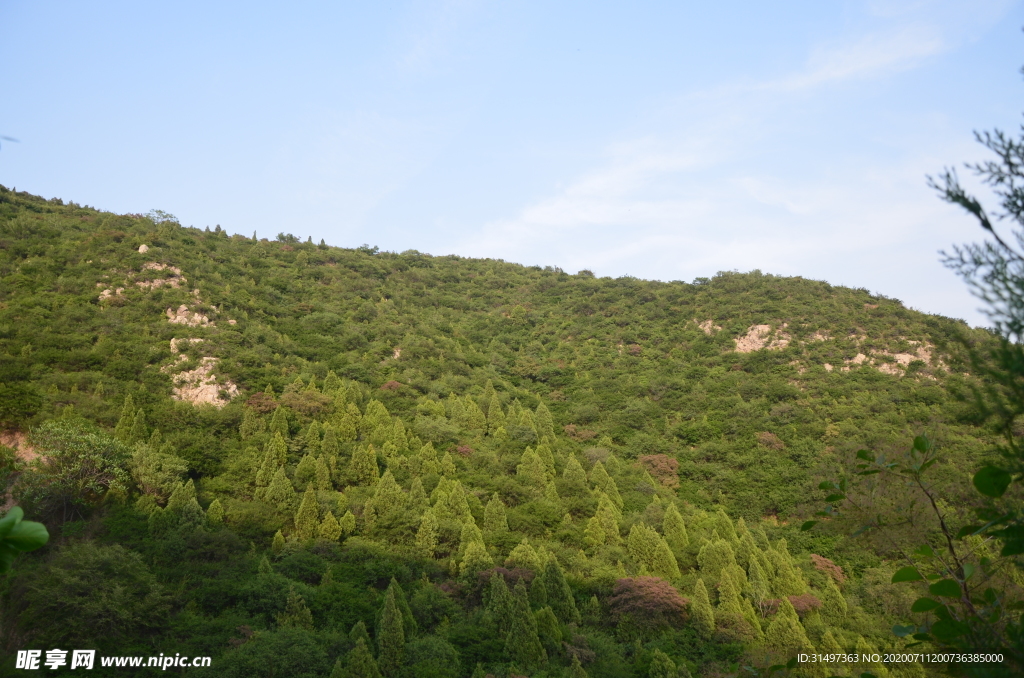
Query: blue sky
point(664, 140)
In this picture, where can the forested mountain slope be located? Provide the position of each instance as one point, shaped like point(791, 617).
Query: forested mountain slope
point(303, 459)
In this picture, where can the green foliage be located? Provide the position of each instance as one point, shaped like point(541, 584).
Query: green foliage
point(523, 644)
point(18, 536)
point(296, 613)
point(701, 613)
point(307, 518)
point(391, 637)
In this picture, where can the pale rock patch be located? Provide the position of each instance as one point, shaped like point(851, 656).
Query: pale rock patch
point(199, 387)
point(175, 279)
point(183, 316)
point(828, 367)
point(143, 249)
point(708, 326)
point(759, 337)
point(397, 353)
point(108, 294)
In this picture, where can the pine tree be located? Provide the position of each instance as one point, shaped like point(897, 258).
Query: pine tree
point(388, 499)
point(785, 633)
point(277, 545)
point(608, 517)
point(476, 420)
point(347, 523)
point(360, 663)
point(701, 612)
point(427, 460)
point(470, 533)
point(594, 534)
point(251, 424)
point(192, 516)
point(376, 415)
point(576, 669)
point(215, 513)
point(267, 468)
point(522, 643)
point(495, 415)
point(661, 666)
point(734, 611)
point(307, 518)
point(574, 477)
point(448, 465)
point(123, 429)
point(279, 448)
point(346, 423)
point(426, 536)
point(264, 568)
point(524, 555)
point(323, 475)
point(548, 629)
point(331, 383)
point(833, 604)
point(545, 424)
point(362, 468)
point(180, 496)
point(558, 594)
point(675, 529)
point(760, 586)
point(329, 445)
point(725, 527)
point(306, 470)
point(475, 558)
point(418, 501)
point(391, 637)
point(329, 528)
point(713, 557)
point(786, 582)
point(139, 431)
point(531, 470)
point(280, 492)
point(359, 632)
point(456, 503)
point(296, 613)
point(601, 480)
point(409, 625)
point(495, 522)
point(663, 563)
point(279, 423)
point(544, 452)
point(641, 544)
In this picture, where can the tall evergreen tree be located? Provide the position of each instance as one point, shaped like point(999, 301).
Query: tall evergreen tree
point(701, 611)
point(495, 522)
point(785, 633)
point(713, 556)
point(545, 424)
point(279, 423)
point(323, 474)
point(531, 470)
point(391, 638)
point(499, 604)
point(833, 604)
point(280, 492)
point(522, 643)
point(296, 613)
point(674, 529)
point(495, 415)
point(329, 528)
point(663, 563)
point(123, 430)
point(558, 593)
point(307, 518)
point(360, 663)
point(661, 666)
point(362, 468)
point(251, 424)
point(574, 477)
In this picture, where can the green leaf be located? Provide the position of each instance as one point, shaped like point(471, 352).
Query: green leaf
point(835, 497)
point(12, 518)
point(808, 525)
point(867, 675)
point(826, 485)
point(968, 570)
point(865, 455)
point(907, 573)
point(922, 636)
point(967, 530)
point(947, 588)
point(992, 481)
point(924, 551)
point(921, 444)
point(924, 605)
point(791, 664)
point(947, 629)
point(903, 631)
point(28, 536)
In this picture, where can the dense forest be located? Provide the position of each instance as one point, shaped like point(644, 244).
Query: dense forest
point(303, 460)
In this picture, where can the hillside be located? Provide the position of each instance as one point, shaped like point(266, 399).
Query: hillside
point(440, 465)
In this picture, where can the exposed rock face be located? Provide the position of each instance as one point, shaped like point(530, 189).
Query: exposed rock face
point(708, 326)
point(757, 338)
point(108, 294)
point(183, 316)
point(174, 279)
point(200, 387)
point(143, 249)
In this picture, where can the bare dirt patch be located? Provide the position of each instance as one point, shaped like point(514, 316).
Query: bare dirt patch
point(760, 337)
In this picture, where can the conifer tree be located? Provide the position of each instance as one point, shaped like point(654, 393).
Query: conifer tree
point(725, 527)
point(418, 501)
point(609, 517)
point(296, 613)
point(601, 480)
point(576, 669)
point(358, 632)
point(787, 581)
point(277, 545)
point(531, 470)
point(279, 423)
point(524, 555)
point(544, 452)
point(526, 421)
point(329, 528)
point(545, 424)
point(323, 475)
point(701, 612)
point(760, 586)
point(476, 420)
point(661, 666)
point(329, 445)
point(864, 650)
point(280, 492)
point(264, 568)
point(123, 430)
point(470, 533)
point(388, 499)
point(495, 415)
point(574, 476)
point(215, 513)
point(391, 637)
point(675, 529)
point(362, 468)
point(746, 550)
point(522, 643)
point(833, 604)
point(346, 423)
point(548, 629)
point(376, 415)
point(785, 633)
point(181, 495)
point(456, 503)
point(499, 604)
point(663, 562)
point(347, 523)
point(192, 515)
point(476, 558)
point(495, 521)
point(593, 534)
point(427, 460)
point(331, 383)
point(448, 465)
point(307, 518)
point(360, 663)
point(426, 535)
point(306, 470)
point(713, 557)
point(641, 544)
point(279, 448)
point(251, 424)
point(558, 594)
point(312, 438)
point(267, 468)
point(735, 611)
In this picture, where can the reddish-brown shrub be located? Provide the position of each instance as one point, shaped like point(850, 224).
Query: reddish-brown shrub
point(634, 349)
point(662, 468)
point(306, 402)
point(823, 564)
point(464, 450)
point(579, 434)
point(771, 441)
point(650, 602)
point(261, 402)
point(391, 385)
point(802, 604)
